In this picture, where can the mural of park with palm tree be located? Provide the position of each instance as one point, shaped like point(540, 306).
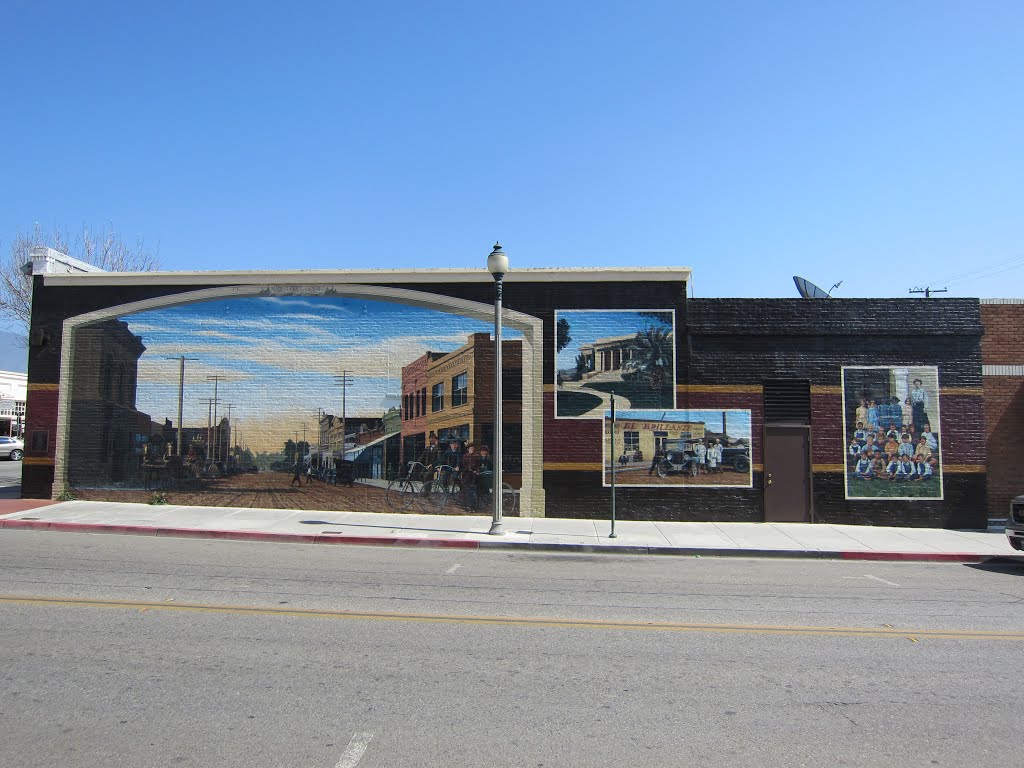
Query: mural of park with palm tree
point(628, 352)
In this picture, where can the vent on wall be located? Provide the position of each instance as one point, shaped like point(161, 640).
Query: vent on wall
point(787, 401)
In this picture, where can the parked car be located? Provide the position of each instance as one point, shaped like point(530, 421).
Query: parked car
point(11, 448)
point(1015, 523)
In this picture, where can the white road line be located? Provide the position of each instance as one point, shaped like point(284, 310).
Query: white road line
point(354, 751)
point(890, 583)
point(453, 569)
point(869, 576)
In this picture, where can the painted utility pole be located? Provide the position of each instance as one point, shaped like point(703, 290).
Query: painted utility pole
point(216, 380)
point(345, 381)
point(181, 396)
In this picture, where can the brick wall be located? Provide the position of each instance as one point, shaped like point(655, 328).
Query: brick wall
point(1002, 350)
point(725, 350)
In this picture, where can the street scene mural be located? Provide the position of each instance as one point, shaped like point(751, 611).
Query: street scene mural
point(303, 402)
point(628, 352)
point(679, 448)
point(891, 430)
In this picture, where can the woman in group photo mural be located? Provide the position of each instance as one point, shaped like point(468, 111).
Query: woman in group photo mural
point(891, 418)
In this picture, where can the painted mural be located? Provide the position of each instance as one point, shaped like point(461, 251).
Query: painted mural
point(303, 402)
point(891, 430)
point(628, 352)
point(678, 448)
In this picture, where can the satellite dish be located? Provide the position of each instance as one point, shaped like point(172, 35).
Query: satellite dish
point(809, 290)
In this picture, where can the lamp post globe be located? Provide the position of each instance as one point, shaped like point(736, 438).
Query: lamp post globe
point(497, 262)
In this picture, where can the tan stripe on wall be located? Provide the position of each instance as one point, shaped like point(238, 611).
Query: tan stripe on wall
point(755, 389)
point(572, 466)
point(823, 389)
point(828, 468)
point(961, 391)
point(43, 461)
point(43, 387)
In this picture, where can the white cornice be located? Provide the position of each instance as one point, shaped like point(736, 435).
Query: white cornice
point(373, 276)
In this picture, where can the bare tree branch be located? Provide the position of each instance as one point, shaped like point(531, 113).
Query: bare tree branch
point(106, 250)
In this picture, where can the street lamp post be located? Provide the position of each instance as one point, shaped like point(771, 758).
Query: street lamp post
point(497, 265)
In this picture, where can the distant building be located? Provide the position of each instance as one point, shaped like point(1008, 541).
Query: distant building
point(13, 387)
point(648, 435)
point(609, 354)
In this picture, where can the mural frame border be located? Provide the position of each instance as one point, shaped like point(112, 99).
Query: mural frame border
point(938, 402)
point(532, 496)
point(581, 310)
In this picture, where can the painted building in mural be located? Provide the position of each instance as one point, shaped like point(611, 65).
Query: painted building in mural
point(108, 437)
point(451, 395)
point(763, 388)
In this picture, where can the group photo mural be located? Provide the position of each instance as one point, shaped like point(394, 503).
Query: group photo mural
point(628, 352)
point(296, 402)
point(678, 448)
point(891, 429)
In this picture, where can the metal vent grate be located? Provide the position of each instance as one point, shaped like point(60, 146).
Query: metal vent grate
point(787, 401)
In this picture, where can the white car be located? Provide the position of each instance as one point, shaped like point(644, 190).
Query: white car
point(1015, 523)
point(11, 448)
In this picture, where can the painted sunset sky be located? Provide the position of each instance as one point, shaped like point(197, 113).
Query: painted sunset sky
point(277, 358)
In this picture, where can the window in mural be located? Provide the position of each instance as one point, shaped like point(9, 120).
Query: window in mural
point(347, 391)
point(679, 448)
point(891, 432)
point(628, 352)
point(460, 390)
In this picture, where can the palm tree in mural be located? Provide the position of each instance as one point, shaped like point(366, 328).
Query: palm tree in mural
point(652, 357)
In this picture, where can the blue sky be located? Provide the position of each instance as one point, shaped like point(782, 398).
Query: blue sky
point(875, 143)
point(277, 358)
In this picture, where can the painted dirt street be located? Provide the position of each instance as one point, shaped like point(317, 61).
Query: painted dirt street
point(273, 490)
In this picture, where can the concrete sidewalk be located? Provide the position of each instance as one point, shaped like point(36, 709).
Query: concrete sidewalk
point(797, 540)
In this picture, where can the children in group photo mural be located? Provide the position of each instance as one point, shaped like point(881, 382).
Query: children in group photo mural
point(892, 449)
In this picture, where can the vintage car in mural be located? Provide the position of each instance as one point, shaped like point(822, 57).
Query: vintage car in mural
point(680, 458)
point(737, 458)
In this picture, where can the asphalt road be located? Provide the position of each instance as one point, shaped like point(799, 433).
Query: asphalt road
point(131, 651)
point(10, 479)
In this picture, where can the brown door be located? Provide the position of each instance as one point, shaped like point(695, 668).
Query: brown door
point(787, 475)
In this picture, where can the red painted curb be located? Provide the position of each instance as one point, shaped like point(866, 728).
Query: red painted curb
point(920, 557)
point(335, 538)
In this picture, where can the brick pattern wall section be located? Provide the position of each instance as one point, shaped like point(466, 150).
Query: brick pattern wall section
point(1003, 344)
point(746, 341)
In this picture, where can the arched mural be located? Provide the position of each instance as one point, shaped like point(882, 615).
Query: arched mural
point(304, 397)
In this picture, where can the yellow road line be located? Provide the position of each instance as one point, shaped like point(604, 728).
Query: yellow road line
point(757, 629)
